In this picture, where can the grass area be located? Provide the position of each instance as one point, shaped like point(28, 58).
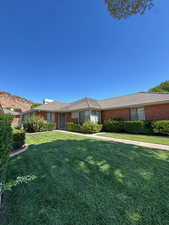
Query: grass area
point(136, 137)
point(83, 181)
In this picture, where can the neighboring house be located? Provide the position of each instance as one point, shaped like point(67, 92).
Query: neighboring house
point(17, 116)
point(139, 106)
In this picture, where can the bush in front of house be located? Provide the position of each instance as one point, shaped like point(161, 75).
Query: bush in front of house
point(135, 127)
point(90, 128)
point(113, 125)
point(87, 127)
point(18, 138)
point(48, 126)
point(138, 127)
point(161, 127)
point(37, 124)
point(75, 127)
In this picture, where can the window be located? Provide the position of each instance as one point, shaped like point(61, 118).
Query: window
point(95, 116)
point(83, 116)
point(75, 115)
point(137, 114)
point(50, 117)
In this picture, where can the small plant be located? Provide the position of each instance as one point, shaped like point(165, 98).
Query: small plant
point(19, 180)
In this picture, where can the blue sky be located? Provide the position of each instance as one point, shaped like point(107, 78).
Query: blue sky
point(66, 50)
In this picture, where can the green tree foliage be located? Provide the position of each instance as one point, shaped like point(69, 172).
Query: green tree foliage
point(122, 9)
point(35, 105)
point(163, 87)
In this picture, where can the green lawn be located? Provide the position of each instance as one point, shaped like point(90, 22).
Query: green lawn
point(83, 181)
point(136, 137)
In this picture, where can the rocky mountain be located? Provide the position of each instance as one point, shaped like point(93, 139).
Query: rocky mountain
point(8, 100)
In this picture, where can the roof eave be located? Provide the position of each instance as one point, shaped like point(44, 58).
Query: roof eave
point(136, 105)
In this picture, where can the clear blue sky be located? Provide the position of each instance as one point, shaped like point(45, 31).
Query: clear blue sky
point(66, 50)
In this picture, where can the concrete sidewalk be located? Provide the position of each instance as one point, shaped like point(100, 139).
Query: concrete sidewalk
point(138, 143)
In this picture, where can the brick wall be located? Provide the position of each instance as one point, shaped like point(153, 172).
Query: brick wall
point(120, 113)
point(42, 114)
point(157, 112)
point(69, 117)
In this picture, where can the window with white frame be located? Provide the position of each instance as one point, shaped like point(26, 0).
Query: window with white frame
point(137, 114)
point(51, 117)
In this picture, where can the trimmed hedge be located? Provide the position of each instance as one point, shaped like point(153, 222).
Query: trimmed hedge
point(5, 138)
point(161, 127)
point(138, 127)
point(38, 124)
point(113, 126)
point(90, 128)
point(135, 127)
point(87, 127)
point(76, 127)
point(18, 138)
point(5, 144)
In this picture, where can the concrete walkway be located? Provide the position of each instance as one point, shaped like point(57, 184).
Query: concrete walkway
point(19, 151)
point(138, 143)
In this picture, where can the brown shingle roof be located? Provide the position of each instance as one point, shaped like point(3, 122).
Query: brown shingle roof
point(141, 98)
point(132, 100)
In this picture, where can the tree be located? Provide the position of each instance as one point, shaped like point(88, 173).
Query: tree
point(35, 105)
point(122, 9)
point(163, 87)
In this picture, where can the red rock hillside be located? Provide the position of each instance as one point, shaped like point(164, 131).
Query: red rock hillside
point(13, 101)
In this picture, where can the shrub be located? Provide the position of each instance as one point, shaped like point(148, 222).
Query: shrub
point(73, 126)
point(138, 127)
point(113, 126)
point(90, 127)
point(37, 124)
point(161, 127)
point(5, 146)
point(87, 127)
point(5, 138)
point(18, 138)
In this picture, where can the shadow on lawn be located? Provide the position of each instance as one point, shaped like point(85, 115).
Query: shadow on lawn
point(89, 182)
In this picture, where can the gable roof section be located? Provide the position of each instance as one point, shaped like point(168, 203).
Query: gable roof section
point(141, 98)
point(85, 103)
point(133, 100)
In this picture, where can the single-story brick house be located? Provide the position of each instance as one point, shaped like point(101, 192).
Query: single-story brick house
point(138, 106)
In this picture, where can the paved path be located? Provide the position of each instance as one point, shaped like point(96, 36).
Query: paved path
point(143, 144)
point(19, 151)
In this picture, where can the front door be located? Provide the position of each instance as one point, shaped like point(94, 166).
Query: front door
point(62, 120)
